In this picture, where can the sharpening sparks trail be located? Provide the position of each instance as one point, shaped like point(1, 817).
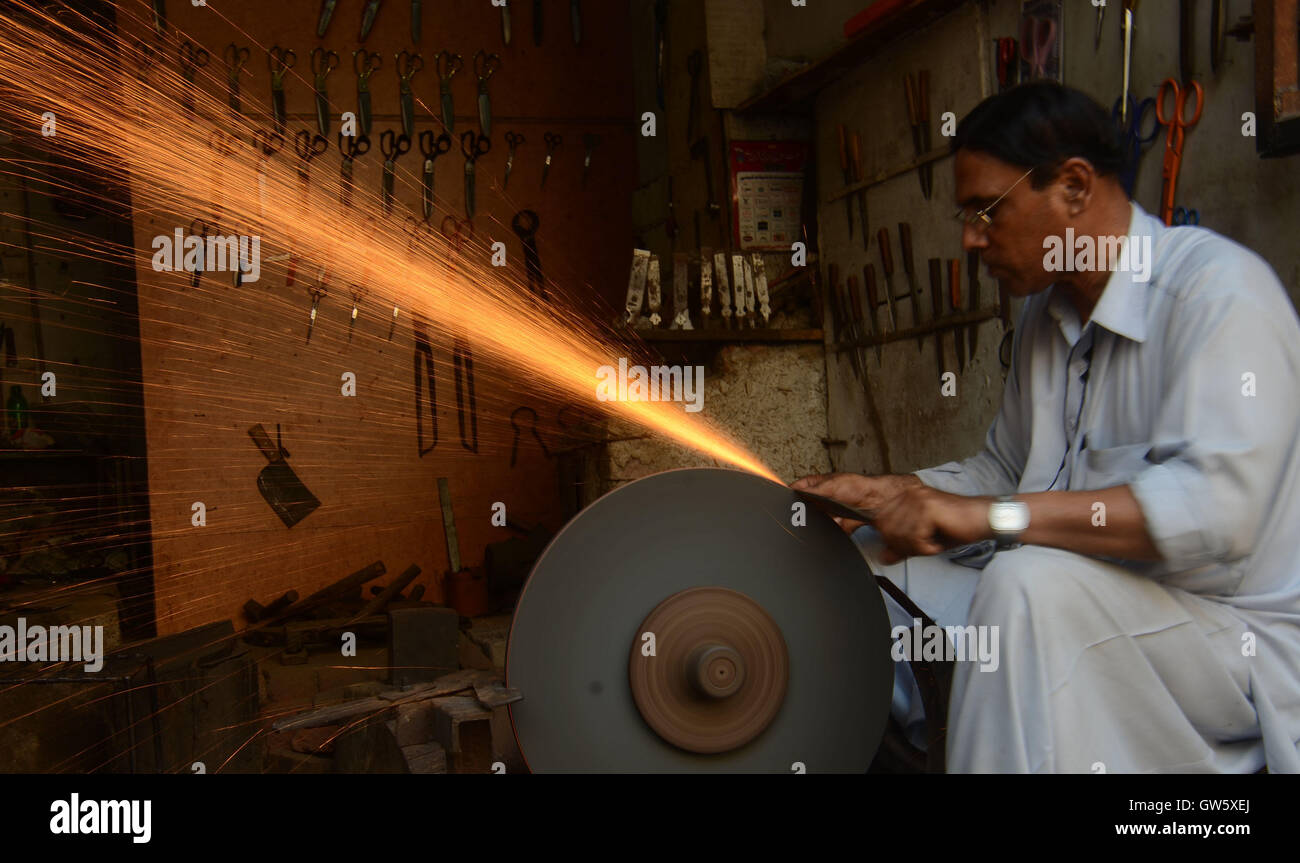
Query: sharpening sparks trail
point(131, 115)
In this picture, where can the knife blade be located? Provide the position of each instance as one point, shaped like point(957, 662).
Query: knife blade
point(873, 307)
point(368, 19)
point(326, 14)
point(913, 292)
point(417, 20)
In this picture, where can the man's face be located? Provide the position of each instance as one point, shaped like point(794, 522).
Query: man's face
point(1012, 246)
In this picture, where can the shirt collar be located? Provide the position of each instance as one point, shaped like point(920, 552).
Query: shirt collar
point(1122, 308)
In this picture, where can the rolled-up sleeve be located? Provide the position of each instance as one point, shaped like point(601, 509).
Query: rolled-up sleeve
point(1226, 426)
point(997, 467)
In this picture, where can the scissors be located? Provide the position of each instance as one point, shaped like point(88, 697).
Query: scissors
point(322, 64)
point(236, 58)
point(1178, 122)
point(553, 142)
point(1037, 39)
point(365, 66)
point(350, 148)
point(525, 224)
point(485, 65)
point(432, 147)
point(448, 65)
point(392, 146)
point(472, 146)
point(407, 65)
point(191, 59)
point(279, 61)
point(308, 147)
point(513, 140)
point(419, 233)
point(1131, 131)
point(456, 235)
point(1185, 216)
point(199, 228)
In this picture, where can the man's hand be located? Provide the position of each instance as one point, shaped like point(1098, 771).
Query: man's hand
point(923, 520)
point(858, 491)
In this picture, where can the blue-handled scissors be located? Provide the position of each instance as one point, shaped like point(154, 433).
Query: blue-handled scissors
point(1133, 137)
point(1186, 216)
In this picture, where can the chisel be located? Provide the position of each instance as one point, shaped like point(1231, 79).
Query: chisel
point(873, 305)
point(887, 264)
point(905, 240)
point(936, 306)
point(855, 301)
point(954, 289)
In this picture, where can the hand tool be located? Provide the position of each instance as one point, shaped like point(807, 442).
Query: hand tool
point(279, 61)
point(671, 729)
point(1216, 35)
point(317, 292)
point(326, 13)
point(424, 355)
point(575, 18)
point(847, 170)
point(417, 20)
point(505, 22)
point(267, 144)
point(1037, 39)
point(525, 224)
point(364, 65)
point(855, 162)
point(1126, 30)
point(393, 146)
point(1131, 131)
point(681, 290)
point(653, 293)
point(308, 147)
point(1101, 16)
point(537, 23)
point(694, 66)
point(513, 140)
point(840, 302)
point(954, 291)
point(1185, 37)
point(358, 294)
point(532, 427)
point(636, 287)
point(462, 363)
point(236, 58)
point(973, 281)
point(590, 142)
point(160, 16)
point(368, 19)
point(456, 232)
point(322, 64)
point(447, 65)
point(485, 66)
point(1177, 124)
point(702, 151)
point(913, 290)
point(706, 286)
point(553, 142)
point(873, 308)
point(936, 308)
point(1008, 63)
point(839, 324)
point(472, 146)
point(432, 147)
point(887, 266)
point(724, 287)
point(917, 92)
point(760, 288)
point(199, 228)
point(852, 312)
point(1184, 216)
point(191, 60)
point(350, 148)
point(407, 65)
point(281, 488)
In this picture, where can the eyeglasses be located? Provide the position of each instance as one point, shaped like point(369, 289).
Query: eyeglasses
point(981, 218)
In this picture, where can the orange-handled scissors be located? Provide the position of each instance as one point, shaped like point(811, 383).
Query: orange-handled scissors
point(1178, 123)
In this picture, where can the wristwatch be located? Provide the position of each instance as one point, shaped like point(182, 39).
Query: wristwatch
point(1008, 519)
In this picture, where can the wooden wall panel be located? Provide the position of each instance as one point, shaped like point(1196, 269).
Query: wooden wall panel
point(217, 359)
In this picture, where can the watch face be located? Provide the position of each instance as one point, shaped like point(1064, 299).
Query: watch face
point(1009, 516)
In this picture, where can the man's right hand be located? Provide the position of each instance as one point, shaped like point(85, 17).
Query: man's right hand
point(857, 491)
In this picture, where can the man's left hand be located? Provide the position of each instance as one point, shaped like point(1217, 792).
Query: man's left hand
point(923, 521)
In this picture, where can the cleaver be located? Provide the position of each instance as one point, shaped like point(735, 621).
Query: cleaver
point(278, 483)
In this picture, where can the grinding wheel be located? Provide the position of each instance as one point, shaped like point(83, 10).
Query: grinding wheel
point(769, 648)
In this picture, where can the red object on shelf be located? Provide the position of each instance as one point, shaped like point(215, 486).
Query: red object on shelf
point(874, 13)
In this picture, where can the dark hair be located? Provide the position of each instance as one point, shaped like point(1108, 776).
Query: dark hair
point(1039, 125)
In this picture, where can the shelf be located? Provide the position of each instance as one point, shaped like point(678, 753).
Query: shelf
point(717, 335)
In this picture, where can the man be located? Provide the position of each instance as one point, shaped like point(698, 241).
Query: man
point(1142, 570)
